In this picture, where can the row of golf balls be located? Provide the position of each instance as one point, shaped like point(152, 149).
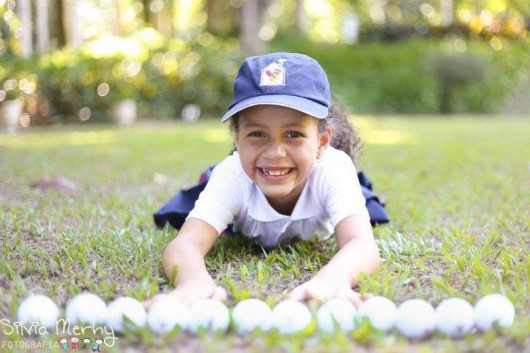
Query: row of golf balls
point(414, 318)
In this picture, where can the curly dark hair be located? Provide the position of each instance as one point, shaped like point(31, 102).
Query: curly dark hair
point(344, 135)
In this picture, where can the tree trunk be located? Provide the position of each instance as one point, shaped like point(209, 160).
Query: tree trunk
point(59, 28)
point(164, 18)
point(477, 8)
point(446, 12)
point(26, 32)
point(220, 19)
point(116, 26)
point(171, 17)
point(445, 98)
point(43, 30)
point(248, 35)
point(147, 13)
point(300, 17)
point(73, 22)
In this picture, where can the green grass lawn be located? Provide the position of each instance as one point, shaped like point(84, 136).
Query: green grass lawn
point(457, 189)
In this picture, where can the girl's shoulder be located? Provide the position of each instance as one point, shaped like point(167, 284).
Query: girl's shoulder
point(229, 170)
point(335, 158)
point(231, 163)
point(335, 169)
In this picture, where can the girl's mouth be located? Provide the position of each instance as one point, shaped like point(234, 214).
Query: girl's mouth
point(275, 172)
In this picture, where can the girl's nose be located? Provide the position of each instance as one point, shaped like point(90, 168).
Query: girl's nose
point(275, 150)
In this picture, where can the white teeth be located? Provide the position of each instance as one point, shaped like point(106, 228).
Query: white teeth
point(275, 172)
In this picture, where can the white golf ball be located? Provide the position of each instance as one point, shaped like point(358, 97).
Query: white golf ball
point(380, 311)
point(454, 317)
point(494, 309)
point(86, 308)
point(167, 313)
point(125, 307)
point(416, 318)
point(290, 316)
point(336, 314)
point(209, 314)
point(252, 314)
point(38, 308)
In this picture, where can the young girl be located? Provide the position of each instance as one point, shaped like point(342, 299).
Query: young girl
point(283, 182)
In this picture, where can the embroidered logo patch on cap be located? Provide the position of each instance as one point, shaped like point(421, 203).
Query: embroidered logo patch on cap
point(273, 74)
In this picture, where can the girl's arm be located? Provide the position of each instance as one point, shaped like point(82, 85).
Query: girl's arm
point(358, 253)
point(183, 260)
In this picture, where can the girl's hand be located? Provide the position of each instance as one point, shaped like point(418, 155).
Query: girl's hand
point(191, 293)
point(358, 254)
point(324, 289)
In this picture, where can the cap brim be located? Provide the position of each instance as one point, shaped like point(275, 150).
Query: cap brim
point(303, 105)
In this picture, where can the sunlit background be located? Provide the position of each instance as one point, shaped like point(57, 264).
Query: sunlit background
point(89, 61)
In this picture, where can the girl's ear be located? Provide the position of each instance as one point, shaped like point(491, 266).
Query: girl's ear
point(236, 140)
point(324, 141)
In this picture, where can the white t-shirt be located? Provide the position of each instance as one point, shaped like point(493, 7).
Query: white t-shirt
point(332, 192)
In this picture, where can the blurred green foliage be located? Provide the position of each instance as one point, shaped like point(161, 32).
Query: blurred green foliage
point(405, 77)
point(454, 71)
point(392, 56)
point(161, 74)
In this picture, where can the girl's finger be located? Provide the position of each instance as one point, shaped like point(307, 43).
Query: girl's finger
point(352, 296)
point(219, 293)
point(299, 293)
point(149, 303)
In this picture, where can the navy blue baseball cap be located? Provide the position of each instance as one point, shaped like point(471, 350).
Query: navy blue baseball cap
point(289, 80)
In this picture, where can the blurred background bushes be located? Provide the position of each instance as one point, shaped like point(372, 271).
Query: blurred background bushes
point(412, 76)
point(162, 77)
point(402, 56)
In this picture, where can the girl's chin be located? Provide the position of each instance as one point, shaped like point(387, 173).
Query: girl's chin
point(271, 191)
point(278, 193)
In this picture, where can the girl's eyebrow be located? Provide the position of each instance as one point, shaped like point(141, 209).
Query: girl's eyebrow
point(294, 125)
point(252, 124)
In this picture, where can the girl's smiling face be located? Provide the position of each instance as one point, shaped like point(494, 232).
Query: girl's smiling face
point(278, 148)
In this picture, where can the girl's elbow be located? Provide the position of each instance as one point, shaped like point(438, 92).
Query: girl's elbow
point(170, 251)
point(376, 258)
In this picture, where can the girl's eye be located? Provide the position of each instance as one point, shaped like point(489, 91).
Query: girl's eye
point(293, 134)
point(255, 134)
